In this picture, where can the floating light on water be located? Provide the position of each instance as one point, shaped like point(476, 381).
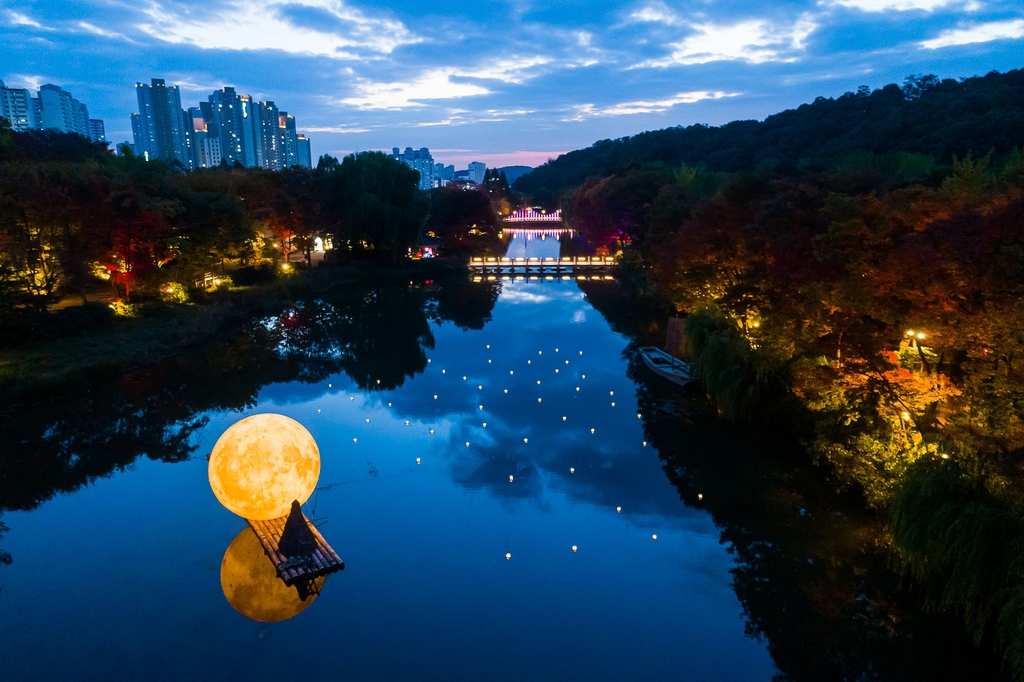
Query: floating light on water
point(511, 478)
point(618, 510)
point(526, 440)
point(431, 432)
point(481, 407)
point(611, 392)
point(378, 382)
point(330, 385)
point(638, 415)
point(574, 548)
point(563, 418)
point(538, 400)
point(261, 463)
point(700, 496)
point(567, 362)
point(318, 411)
point(508, 556)
point(529, 362)
point(428, 361)
point(511, 372)
point(417, 460)
point(443, 371)
point(584, 376)
point(581, 352)
point(613, 404)
point(351, 397)
point(355, 440)
point(480, 388)
point(389, 404)
point(645, 444)
point(463, 378)
point(435, 396)
point(538, 382)
point(577, 388)
point(406, 422)
point(467, 443)
point(654, 537)
point(488, 362)
point(556, 371)
point(485, 425)
point(488, 346)
point(572, 470)
point(556, 350)
point(540, 352)
point(591, 430)
point(506, 390)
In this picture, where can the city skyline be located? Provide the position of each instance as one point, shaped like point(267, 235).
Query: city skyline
point(503, 83)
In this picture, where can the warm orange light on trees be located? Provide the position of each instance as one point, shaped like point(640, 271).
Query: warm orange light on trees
point(251, 585)
point(262, 463)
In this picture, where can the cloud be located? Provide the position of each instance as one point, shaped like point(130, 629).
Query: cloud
point(980, 33)
point(755, 41)
point(27, 81)
point(328, 28)
point(19, 19)
point(585, 111)
point(897, 5)
point(657, 13)
point(334, 129)
point(97, 31)
point(442, 83)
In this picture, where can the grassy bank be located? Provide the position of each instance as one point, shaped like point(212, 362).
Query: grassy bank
point(158, 330)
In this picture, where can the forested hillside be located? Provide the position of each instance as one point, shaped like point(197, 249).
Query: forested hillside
point(928, 116)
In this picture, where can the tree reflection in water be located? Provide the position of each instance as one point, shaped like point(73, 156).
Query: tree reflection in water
point(812, 570)
point(84, 430)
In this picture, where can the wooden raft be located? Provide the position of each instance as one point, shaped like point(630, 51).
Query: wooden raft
point(321, 561)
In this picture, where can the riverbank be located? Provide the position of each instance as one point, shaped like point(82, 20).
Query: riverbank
point(154, 331)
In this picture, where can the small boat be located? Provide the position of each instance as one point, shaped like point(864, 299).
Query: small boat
point(667, 366)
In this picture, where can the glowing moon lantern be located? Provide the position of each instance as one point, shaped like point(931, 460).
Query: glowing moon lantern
point(262, 463)
point(252, 587)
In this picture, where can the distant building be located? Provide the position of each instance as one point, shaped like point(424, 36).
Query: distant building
point(227, 128)
point(476, 172)
point(53, 109)
point(159, 125)
point(305, 156)
point(97, 132)
point(419, 160)
point(19, 107)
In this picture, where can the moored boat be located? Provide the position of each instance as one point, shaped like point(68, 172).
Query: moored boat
point(664, 365)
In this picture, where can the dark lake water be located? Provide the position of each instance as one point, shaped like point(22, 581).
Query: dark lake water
point(536, 431)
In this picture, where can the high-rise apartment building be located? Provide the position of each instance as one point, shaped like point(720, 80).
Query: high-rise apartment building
point(305, 155)
point(159, 124)
point(228, 127)
point(19, 107)
point(53, 109)
point(419, 160)
point(477, 170)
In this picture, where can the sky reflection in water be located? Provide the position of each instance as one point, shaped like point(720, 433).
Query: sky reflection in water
point(427, 592)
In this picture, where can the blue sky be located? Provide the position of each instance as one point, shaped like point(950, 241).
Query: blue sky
point(501, 81)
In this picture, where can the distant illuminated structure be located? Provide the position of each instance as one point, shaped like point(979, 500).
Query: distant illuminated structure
point(528, 215)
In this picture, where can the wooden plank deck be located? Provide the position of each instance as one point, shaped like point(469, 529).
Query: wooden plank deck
point(321, 561)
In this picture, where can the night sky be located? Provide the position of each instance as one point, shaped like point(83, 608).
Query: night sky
point(504, 82)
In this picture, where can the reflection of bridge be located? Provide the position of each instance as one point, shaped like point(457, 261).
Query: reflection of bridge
point(538, 265)
point(529, 233)
point(528, 215)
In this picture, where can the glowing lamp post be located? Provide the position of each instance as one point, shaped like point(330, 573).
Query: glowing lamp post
point(262, 463)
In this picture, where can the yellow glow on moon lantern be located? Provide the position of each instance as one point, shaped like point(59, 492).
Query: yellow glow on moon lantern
point(262, 463)
point(251, 585)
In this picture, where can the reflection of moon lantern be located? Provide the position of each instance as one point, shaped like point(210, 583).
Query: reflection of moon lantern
point(262, 463)
point(252, 587)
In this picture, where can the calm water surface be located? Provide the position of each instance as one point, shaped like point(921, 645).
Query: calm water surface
point(121, 579)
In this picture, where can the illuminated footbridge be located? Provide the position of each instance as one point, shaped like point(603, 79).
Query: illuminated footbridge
point(580, 264)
